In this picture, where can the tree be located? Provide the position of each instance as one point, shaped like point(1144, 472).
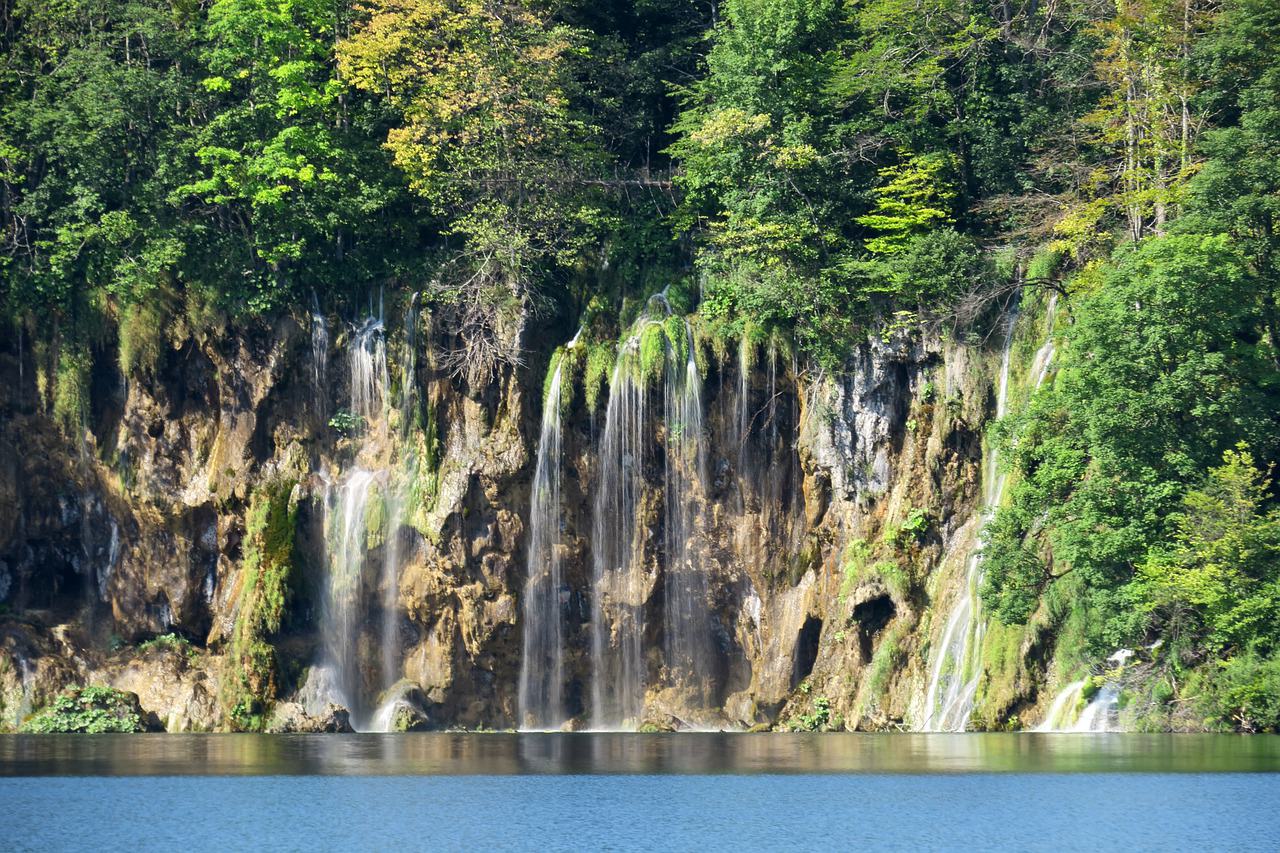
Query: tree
point(914, 198)
point(1220, 574)
point(1162, 371)
point(285, 168)
point(489, 138)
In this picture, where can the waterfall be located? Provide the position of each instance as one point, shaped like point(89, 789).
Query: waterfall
point(1101, 714)
point(957, 664)
point(348, 522)
point(346, 532)
point(618, 574)
point(367, 360)
point(397, 502)
point(542, 659)
point(409, 379)
point(113, 557)
point(319, 355)
point(625, 520)
point(953, 680)
point(1064, 705)
point(689, 654)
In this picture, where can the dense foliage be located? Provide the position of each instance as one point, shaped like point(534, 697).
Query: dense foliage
point(1146, 471)
point(813, 169)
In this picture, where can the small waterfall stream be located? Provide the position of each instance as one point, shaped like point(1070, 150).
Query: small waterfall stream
point(319, 357)
point(541, 697)
point(957, 663)
point(1062, 709)
point(687, 627)
point(398, 502)
point(625, 518)
point(1101, 714)
point(346, 533)
point(619, 581)
point(349, 524)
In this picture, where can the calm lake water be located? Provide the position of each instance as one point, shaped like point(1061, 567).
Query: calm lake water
point(617, 791)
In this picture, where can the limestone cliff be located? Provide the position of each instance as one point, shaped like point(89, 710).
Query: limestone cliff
point(177, 547)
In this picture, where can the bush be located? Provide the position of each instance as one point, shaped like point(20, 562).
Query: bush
point(1245, 691)
point(89, 710)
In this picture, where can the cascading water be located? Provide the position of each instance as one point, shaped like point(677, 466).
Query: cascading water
point(688, 646)
point(346, 532)
point(1063, 708)
point(542, 661)
point(347, 522)
point(624, 522)
point(618, 575)
point(319, 355)
point(397, 502)
point(367, 361)
point(957, 664)
point(1102, 712)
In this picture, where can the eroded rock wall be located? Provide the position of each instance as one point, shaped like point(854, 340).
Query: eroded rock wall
point(834, 506)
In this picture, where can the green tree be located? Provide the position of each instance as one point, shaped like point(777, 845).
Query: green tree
point(489, 138)
point(287, 170)
point(915, 198)
point(1162, 371)
point(1220, 575)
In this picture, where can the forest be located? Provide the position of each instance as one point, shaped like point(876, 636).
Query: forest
point(816, 172)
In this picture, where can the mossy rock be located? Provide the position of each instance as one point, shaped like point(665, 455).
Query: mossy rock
point(92, 710)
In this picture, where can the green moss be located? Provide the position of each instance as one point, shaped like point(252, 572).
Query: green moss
point(265, 587)
point(653, 354)
point(71, 387)
point(597, 373)
point(677, 338)
point(89, 710)
point(557, 360)
point(141, 335)
point(859, 567)
point(1002, 664)
point(889, 657)
point(682, 295)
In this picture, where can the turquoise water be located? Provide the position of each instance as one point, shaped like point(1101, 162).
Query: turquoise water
point(680, 792)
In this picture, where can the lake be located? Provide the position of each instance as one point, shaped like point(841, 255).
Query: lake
point(627, 791)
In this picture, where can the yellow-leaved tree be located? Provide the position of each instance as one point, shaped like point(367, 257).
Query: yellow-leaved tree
point(488, 135)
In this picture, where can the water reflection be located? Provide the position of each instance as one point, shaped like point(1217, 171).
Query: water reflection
point(509, 754)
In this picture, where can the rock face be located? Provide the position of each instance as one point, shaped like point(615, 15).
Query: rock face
point(292, 718)
point(833, 509)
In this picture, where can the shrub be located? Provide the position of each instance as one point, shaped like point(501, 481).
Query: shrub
point(89, 710)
